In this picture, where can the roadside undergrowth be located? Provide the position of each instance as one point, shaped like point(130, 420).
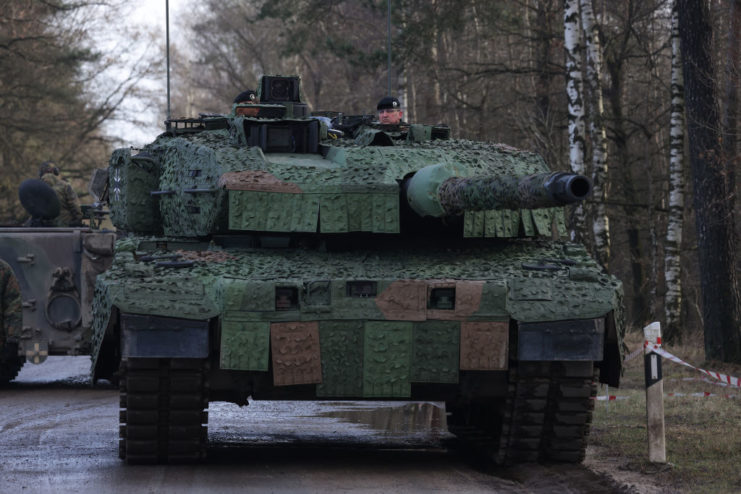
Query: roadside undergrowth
point(703, 443)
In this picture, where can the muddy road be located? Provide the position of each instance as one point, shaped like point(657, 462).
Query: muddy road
point(57, 434)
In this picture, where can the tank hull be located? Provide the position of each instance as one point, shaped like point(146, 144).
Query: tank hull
point(471, 326)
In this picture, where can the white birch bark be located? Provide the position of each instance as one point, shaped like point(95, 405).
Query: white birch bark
point(574, 92)
point(598, 134)
point(673, 242)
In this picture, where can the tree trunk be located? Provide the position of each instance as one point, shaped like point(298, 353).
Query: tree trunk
point(634, 221)
point(712, 198)
point(574, 93)
point(540, 122)
point(673, 241)
point(598, 134)
point(730, 124)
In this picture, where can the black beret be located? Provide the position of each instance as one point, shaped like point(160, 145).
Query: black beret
point(389, 102)
point(248, 96)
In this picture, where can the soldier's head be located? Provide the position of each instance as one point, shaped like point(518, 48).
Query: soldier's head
point(389, 111)
point(242, 102)
point(48, 167)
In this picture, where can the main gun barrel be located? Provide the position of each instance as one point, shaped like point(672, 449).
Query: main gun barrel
point(432, 191)
point(543, 190)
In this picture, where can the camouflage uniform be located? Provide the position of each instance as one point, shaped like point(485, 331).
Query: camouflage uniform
point(10, 304)
point(70, 213)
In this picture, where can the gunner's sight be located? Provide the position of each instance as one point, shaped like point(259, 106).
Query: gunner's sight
point(279, 89)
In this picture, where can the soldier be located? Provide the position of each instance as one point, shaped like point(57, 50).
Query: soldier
point(240, 108)
point(389, 111)
point(70, 214)
point(10, 304)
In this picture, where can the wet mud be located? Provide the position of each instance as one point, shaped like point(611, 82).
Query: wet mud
point(59, 434)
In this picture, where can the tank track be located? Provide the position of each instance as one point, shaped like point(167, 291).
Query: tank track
point(545, 417)
point(10, 362)
point(163, 417)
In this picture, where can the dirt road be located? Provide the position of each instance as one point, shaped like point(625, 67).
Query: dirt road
point(57, 434)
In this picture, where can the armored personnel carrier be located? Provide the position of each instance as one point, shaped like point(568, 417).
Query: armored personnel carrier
point(55, 268)
point(277, 255)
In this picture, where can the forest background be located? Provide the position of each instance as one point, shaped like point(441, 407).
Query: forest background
point(492, 70)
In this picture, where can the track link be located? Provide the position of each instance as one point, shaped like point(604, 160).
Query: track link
point(163, 417)
point(569, 416)
point(545, 416)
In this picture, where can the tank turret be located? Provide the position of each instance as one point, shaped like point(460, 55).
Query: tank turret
point(439, 191)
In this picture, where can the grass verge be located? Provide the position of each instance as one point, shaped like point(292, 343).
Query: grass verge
point(703, 442)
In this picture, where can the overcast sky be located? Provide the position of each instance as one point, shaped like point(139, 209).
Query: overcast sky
point(148, 14)
point(150, 11)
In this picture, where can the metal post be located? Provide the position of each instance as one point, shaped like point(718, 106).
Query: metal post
point(654, 396)
point(167, 35)
point(388, 44)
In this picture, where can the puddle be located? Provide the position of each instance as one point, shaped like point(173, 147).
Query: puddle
point(388, 424)
point(392, 417)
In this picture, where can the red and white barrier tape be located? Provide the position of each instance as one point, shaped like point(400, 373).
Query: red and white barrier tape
point(699, 395)
point(668, 395)
point(700, 379)
point(730, 380)
point(633, 355)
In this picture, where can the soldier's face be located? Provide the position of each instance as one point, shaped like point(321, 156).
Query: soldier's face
point(389, 116)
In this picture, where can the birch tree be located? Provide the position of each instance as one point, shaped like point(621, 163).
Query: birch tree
point(574, 91)
point(673, 241)
point(597, 132)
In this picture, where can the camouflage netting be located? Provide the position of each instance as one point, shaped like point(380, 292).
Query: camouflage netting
point(206, 184)
point(566, 283)
point(191, 168)
point(132, 206)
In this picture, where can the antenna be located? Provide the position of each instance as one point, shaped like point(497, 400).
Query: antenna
point(388, 44)
point(167, 30)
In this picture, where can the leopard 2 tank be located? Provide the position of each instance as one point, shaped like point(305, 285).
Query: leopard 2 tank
point(287, 257)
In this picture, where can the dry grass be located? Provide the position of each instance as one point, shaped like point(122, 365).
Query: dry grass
point(703, 443)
